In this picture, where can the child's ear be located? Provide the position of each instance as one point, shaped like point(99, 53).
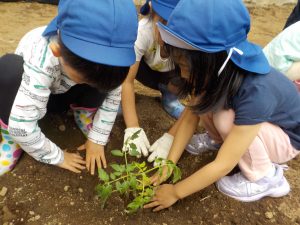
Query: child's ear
point(55, 48)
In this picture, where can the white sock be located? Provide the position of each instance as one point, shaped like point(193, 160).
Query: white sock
point(271, 172)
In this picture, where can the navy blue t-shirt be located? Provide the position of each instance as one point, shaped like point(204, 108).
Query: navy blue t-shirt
point(269, 98)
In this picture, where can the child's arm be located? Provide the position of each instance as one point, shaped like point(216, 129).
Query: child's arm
point(233, 148)
point(128, 98)
point(185, 131)
point(29, 107)
point(130, 114)
point(102, 125)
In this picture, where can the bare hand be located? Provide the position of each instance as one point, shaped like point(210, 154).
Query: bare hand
point(164, 197)
point(94, 155)
point(72, 162)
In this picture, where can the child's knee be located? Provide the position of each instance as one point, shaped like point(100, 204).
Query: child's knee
point(223, 121)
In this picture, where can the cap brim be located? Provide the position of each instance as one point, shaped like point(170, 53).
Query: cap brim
point(107, 55)
point(51, 29)
point(169, 37)
point(253, 58)
point(162, 10)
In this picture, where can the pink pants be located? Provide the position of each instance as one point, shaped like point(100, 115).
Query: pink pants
point(271, 145)
point(297, 83)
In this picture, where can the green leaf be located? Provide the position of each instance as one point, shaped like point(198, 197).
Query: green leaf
point(117, 153)
point(117, 174)
point(137, 203)
point(135, 135)
point(112, 176)
point(103, 175)
point(132, 182)
point(132, 146)
point(142, 165)
point(176, 174)
point(134, 152)
point(104, 192)
point(119, 187)
point(130, 167)
point(117, 167)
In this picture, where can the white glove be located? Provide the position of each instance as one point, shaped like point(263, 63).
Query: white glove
point(142, 143)
point(161, 147)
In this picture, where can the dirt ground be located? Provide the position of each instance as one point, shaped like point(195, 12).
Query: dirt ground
point(42, 194)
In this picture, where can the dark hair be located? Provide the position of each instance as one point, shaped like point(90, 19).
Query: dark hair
point(103, 77)
point(214, 92)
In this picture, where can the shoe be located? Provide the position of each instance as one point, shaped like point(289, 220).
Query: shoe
point(10, 152)
point(170, 102)
point(201, 143)
point(84, 118)
point(240, 188)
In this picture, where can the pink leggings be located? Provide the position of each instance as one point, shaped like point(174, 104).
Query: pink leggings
point(271, 145)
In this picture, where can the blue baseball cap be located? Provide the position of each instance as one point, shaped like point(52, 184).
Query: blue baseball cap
point(163, 8)
point(99, 31)
point(214, 26)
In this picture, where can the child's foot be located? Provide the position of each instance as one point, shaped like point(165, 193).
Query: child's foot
point(170, 102)
point(9, 151)
point(240, 188)
point(201, 143)
point(84, 118)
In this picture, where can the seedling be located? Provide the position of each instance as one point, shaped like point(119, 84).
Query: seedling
point(132, 179)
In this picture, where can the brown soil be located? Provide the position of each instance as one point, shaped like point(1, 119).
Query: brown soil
point(36, 192)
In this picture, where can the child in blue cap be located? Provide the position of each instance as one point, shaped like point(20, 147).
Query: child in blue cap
point(152, 68)
point(81, 57)
point(244, 104)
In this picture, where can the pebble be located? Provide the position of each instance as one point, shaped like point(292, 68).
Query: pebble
point(3, 191)
point(72, 203)
point(80, 190)
point(164, 224)
point(31, 213)
point(80, 177)
point(62, 127)
point(66, 188)
point(35, 218)
point(269, 215)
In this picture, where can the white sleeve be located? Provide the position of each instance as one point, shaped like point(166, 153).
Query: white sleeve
point(105, 118)
point(143, 41)
point(30, 105)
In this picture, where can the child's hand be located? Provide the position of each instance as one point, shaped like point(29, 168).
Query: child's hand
point(157, 178)
point(164, 197)
point(94, 155)
point(72, 162)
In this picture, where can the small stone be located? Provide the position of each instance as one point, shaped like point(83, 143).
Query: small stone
point(111, 219)
point(6, 223)
point(21, 219)
point(31, 213)
point(66, 188)
point(3, 191)
point(257, 213)
point(80, 190)
point(62, 127)
point(72, 203)
point(37, 217)
point(164, 224)
point(269, 215)
point(80, 177)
